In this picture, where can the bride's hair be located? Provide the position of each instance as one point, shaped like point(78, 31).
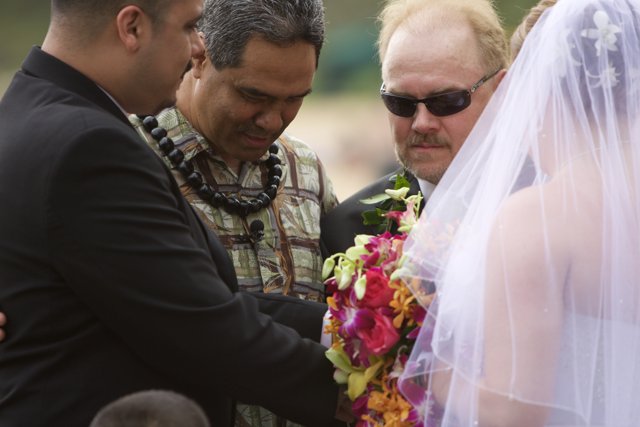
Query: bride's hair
point(595, 69)
point(602, 64)
point(520, 33)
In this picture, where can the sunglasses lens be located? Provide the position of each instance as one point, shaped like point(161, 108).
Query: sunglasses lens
point(439, 105)
point(449, 103)
point(399, 106)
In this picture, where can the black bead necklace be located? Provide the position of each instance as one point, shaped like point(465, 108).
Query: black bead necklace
point(195, 180)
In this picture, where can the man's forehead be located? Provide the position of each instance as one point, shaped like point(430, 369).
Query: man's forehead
point(262, 76)
point(431, 58)
point(433, 38)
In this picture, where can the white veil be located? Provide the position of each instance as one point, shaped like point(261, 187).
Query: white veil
point(532, 238)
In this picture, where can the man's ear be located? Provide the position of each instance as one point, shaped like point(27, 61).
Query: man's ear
point(198, 62)
point(131, 23)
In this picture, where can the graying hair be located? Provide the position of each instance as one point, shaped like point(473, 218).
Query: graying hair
point(229, 24)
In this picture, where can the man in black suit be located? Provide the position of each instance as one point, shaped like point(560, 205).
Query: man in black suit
point(434, 92)
point(112, 282)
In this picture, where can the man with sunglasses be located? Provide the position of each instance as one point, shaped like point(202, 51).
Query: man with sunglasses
point(441, 62)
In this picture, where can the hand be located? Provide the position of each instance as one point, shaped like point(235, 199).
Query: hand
point(3, 321)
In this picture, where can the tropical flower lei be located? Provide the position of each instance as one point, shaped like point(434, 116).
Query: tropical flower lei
point(374, 317)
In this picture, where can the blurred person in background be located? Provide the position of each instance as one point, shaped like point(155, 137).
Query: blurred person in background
point(434, 92)
point(151, 408)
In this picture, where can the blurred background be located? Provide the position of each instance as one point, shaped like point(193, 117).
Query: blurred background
point(343, 119)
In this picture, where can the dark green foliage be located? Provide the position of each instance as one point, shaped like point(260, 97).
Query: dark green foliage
point(384, 204)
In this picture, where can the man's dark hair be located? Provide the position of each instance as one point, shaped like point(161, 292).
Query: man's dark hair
point(229, 24)
point(151, 408)
point(93, 15)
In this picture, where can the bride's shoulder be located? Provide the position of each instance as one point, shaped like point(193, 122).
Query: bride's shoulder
point(533, 217)
point(527, 233)
point(543, 202)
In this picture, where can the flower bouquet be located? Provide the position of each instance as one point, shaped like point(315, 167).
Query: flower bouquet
point(374, 318)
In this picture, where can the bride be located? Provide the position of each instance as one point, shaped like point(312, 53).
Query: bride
point(537, 315)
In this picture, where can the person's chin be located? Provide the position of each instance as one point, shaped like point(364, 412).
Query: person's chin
point(430, 173)
point(420, 168)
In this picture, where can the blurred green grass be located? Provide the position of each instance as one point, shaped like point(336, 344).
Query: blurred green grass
point(348, 63)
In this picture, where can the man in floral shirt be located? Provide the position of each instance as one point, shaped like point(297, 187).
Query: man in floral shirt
point(286, 259)
point(232, 109)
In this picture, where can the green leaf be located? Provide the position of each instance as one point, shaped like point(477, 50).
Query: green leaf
point(401, 182)
point(371, 218)
point(375, 199)
point(386, 203)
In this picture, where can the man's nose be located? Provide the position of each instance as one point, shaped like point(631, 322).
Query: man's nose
point(270, 119)
point(424, 121)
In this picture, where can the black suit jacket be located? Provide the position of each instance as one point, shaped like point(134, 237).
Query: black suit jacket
point(344, 222)
point(112, 283)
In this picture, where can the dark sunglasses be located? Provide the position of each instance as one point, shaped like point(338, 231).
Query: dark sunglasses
point(444, 104)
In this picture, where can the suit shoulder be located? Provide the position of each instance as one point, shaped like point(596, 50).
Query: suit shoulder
point(345, 221)
point(60, 117)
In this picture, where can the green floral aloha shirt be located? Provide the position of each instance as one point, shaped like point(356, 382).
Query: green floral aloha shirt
point(288, 259)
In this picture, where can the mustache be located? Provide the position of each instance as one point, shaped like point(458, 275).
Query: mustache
point(258, 132)
point(430, 139)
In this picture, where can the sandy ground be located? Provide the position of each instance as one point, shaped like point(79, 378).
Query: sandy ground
point(351, 136)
